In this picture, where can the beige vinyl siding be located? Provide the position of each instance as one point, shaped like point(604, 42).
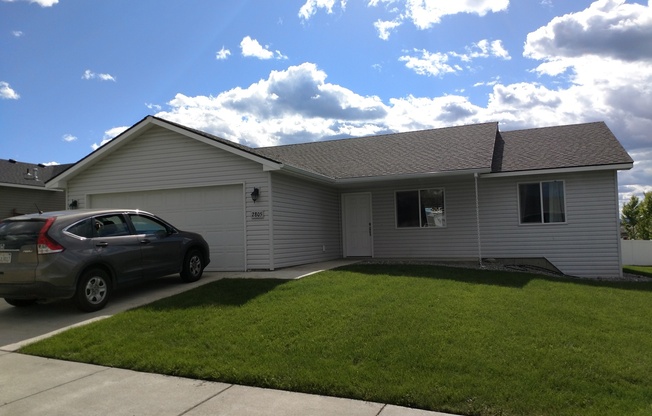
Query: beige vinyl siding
point(25, 201)
point(586, 245)
point(306, 220)
point(161, 159)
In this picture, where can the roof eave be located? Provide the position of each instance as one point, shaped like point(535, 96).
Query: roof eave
point(408, 176)
point(576, 169)
point(306, 174)
point(30, 187)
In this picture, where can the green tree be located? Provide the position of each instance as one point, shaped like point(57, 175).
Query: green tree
point(636, 217)
point(629, 217)
point(645, 218)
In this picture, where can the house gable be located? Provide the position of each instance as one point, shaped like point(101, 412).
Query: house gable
point(142, 128)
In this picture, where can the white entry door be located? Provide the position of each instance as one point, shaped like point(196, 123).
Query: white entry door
point(356, 211)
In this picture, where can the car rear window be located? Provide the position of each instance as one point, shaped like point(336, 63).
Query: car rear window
point(15, 234)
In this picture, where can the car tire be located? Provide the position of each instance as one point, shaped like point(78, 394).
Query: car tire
point(93, 290)
point(193, 266)
point(20, 303)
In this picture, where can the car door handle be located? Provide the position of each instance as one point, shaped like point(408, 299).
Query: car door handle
point(145, 241)
point(102, 244)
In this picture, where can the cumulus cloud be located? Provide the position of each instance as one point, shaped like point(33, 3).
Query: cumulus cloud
point(426, 13)
point(7, 93)
point(610, 29)
point(293, 105)
point(88, 74)
point(222, 54)
point(431, 64)
point(310, 7)
point(17, 33)
point(252, 48)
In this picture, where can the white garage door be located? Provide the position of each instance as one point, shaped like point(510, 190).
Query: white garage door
point(216, 212)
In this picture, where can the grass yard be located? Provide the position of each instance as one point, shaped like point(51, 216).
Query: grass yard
point(640, 270)
point(453, 340)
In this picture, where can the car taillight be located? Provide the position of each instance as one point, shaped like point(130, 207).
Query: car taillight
point(45, 244)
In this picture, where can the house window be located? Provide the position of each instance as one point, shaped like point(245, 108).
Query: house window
point(542, 202)
point(421, 208)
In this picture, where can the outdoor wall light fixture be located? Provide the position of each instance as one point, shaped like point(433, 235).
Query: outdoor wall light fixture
point(255, 194)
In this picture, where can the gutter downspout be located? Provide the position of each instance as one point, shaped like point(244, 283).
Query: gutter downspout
point(477, 219)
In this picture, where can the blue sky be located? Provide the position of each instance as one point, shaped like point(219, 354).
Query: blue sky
point(75, 73)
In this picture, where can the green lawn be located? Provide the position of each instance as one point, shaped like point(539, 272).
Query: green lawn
point(453, 340)
point(640, 270)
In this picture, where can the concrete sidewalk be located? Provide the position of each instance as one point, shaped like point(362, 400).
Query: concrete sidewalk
point(40, 386)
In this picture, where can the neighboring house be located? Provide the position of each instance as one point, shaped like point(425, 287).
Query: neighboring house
point(23, 191)
point(457, 193)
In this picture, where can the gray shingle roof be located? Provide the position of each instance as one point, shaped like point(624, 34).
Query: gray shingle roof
point(14, 173)
point(579, 145)
point(476, 147)
point(428, 151)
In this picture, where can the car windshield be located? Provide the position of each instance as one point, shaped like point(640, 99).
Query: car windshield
point(15, 234)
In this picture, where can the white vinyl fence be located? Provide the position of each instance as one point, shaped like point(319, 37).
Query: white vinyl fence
point(636, 252)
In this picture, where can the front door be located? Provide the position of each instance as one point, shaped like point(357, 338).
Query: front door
point(356, 211)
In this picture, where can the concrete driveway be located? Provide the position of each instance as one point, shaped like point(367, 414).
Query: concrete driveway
point(19, 326)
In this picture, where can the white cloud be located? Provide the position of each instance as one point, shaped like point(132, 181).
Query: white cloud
point(222, 54)
point(483, 49)
point(251, 48)
point(610, 29)
point(430, 64)
point(439, 63)
point(17, 33)
point(386, 27)
point(293, 105)
point(153, 106)
point(42, 3)
point(426, 13)
point(310, 7)
point(69, 138)
point(51, 163)
point(109, 135)
point(88, 74)
point(7, 93)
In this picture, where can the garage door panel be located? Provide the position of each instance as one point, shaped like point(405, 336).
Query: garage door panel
point(217, 213)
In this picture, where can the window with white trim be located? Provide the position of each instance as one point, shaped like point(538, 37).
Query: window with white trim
point(420, 208)
point(541, 202)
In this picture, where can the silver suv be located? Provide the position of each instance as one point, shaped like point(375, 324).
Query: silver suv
point(86, 254)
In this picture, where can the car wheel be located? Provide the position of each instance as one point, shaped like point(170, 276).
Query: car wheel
point(93, 290)
point(193, 266)
point(20, 303)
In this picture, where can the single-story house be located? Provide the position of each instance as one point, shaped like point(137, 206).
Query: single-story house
point(22, 188)
point(458, 193)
